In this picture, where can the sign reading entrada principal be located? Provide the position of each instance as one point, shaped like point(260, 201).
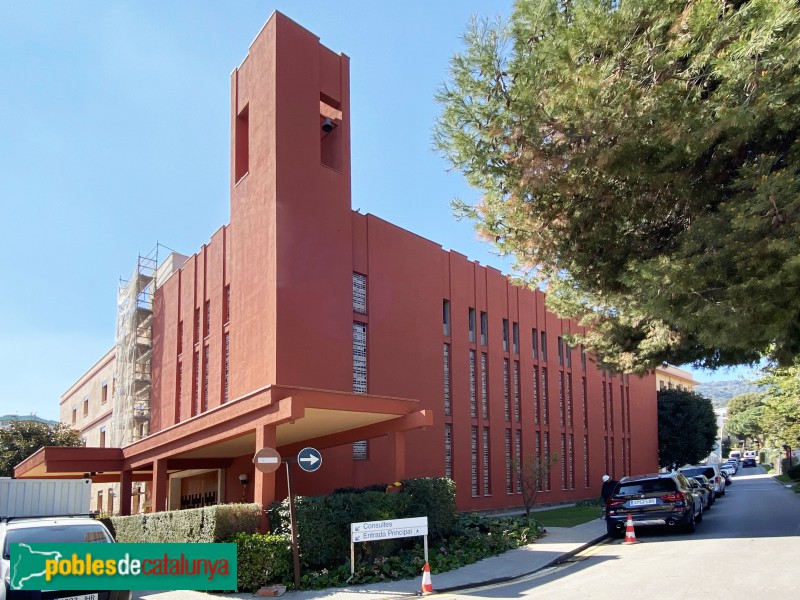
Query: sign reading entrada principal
point(123, 566)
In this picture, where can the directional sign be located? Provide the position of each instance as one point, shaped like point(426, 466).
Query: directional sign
point(309, 459)
point(390, 529)
point(267, 460)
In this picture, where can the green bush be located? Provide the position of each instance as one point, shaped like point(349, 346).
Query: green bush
point(262, 559)
point(195, 525)
point(324, 521)
point(794, 472)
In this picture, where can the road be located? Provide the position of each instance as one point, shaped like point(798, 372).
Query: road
point(748, 545)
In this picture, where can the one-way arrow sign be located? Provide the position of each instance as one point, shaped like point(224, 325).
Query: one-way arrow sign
point(309, 459)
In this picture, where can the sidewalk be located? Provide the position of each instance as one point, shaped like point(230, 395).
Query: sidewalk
point(558, 544)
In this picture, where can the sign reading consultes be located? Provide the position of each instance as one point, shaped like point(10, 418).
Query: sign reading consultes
point(390, 529)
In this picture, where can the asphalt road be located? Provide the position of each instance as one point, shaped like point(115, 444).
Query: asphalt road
point(747, 546)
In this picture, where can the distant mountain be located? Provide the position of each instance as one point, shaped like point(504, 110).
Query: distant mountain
point(720, 392)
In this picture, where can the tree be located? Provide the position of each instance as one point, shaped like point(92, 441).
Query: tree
point(532, 475)
point(745, 415)
point(687, 427)
point(780, 416)
point(641, 159)
point(23, 438)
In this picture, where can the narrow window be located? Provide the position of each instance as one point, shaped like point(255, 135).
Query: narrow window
point(536, 395)
point(486, 478)
point(446, 317)
point(543, 347)
point(474, 459)
point(515, 337)
point(583, 358)
point(85, 405)
point(359, 358)
point(104, 393)
point(205, 377)
point(509, 477)
point(535, 344)
point(560, 352)
point(102, 437)
point(484, 328)
point(359, 293)
point(196, 384)
point(242, 158)
point(178, 392)
point(180, 337)
point(484, 387)
point(447, 405)
point(227, 365)
point(330, 136)
point(586, 482)
point(472, 325)
point(111, 501)
point(567, 355)
point(196, 325)
point(506, 400)
point(100, 501)
point(516, 391)
point(360, 450)
point(518, 478)
point(472, 390)
point(505, 335)
point(227, 311)
point(448, 450)
point(207, 329)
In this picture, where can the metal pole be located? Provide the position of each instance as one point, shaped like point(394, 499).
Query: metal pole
point(425, 543)
point(352, 557)
point(293, 519)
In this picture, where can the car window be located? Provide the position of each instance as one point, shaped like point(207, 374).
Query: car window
point(633, 488)
point(94, 533)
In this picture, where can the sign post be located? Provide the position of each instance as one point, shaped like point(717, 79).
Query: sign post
point(390, 529)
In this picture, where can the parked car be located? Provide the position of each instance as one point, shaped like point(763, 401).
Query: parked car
point(727, 470)
point(705, 494)
point(735, 455)
point(750, 461)
point(733, 463)
point(750, 454)
point(39, 530)
point(703, 480)
point(712, 472)
point(653, 499)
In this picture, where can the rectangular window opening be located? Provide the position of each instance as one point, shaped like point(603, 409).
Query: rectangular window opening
point(241, 162)
point(446, 318)
point(484, 328)
point(472, 325)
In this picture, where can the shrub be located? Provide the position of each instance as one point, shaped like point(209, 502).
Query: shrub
point(435, 498)
point(262, 559)
point(794, 472)
point(195, 525)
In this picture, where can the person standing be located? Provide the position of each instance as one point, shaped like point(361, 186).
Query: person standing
point(608, 487)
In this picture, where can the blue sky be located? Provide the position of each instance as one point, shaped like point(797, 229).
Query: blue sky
point(114, 129)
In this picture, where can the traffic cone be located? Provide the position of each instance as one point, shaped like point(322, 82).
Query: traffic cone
point(630, 536)
point(427, 586)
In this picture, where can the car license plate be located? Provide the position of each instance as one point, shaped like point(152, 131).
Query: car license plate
point(79, 597)
point(644, 502)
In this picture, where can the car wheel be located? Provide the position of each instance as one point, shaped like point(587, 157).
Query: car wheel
point(691, 526)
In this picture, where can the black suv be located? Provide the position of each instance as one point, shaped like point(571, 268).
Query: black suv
point(654, 499)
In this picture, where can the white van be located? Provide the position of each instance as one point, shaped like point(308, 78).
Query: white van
point(748, 456)
point(737, 454)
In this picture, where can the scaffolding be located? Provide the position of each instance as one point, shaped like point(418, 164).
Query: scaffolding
point(134, 351)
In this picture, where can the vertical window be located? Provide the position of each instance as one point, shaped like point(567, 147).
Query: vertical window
point(610, 407)
point(178, 392)
point(100, 501)
point(359, 358)
point(205, 378)
point(85, 405)
point(486, 478)
point(227, 311)
point(561, 411)
point(516, 391)
point(571, 465)
point(241, 160)
point(545, 399)
point(586, 482)
point(446, 317)
point(196, 325)
point(605, 456)
point(447, 404)
point(227, 366)
point(568, 391)
point(563, 461)
point(612, 454)
point(515, 336)
point(471, 325)
point(605, 407)
point(543, 347)
point(74, 414)
point(196, 384)
point(484, 394)
point(111, 501)
point(102, 437)
point(180, 337)
point(624, 458)
point(568, 355)
point(505, 335)
point(628, 443)
point(506, 400)
point(535, 343)
point(518, 478)
point(583, 358)
point(538, 455)
point(536, 395)
point(360, 450)
point(509, 477)
point(585, 403)
point(207, 326)
point(622, 410)
point(560, 351)
point(359, 293)
point(474, 460)
point(104, 393)
point(548, 483)
point(484, 328)
point(472, 391)
point(448, 450)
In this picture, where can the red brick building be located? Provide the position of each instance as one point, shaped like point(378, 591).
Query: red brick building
point(304, 323)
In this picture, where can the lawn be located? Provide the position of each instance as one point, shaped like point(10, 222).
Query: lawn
point(567, 516)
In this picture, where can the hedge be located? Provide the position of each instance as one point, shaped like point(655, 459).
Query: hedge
point(262, 559)
point(324, 521)
point(218, 523)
